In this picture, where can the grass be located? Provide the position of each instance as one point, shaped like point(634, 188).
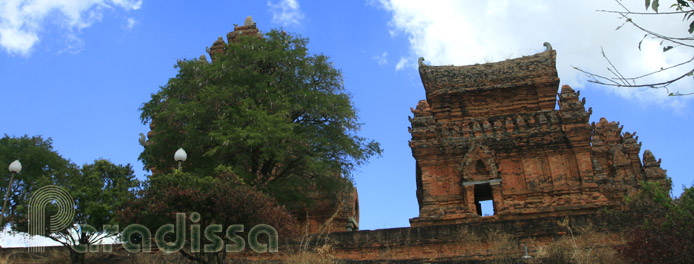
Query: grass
point(47, 257)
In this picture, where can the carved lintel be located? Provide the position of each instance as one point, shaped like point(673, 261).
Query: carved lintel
point(491, 182)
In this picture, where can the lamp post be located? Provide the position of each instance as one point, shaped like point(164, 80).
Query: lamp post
point(526, 256)
point(15, 167)
point(180, 156)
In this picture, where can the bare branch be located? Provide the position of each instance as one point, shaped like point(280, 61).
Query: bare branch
point(639, 13)
point(615, 72)
point(660, 36)
point(625, 14)
point(622, 5)
point(633, 79)
point(616, 84)
point(593, 75)
point(662, 69)
point(681, 94)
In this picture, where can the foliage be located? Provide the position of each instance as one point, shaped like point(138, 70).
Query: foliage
point(41, 165)
point(266, 110)
point(682, 7)
point(661, 230)
point(218, 200)
point(99, 189)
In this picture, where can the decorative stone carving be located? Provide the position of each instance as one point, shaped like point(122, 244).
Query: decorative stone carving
point(478, 164)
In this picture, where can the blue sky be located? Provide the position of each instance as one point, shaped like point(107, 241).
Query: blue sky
point(77, 71)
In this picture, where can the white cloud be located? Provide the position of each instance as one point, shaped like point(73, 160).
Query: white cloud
point(17, 41)
point(73, 44)
point(131, 23)
point(401, 63)
point(22, 21)
point(381, 59)
point(286, 12)
point(469, 32)
point(128, 4)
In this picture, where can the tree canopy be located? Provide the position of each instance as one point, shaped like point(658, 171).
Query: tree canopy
point(273, 115)
point(217, 200)
point(100, 189)
point(659, 226)
point(41, 165)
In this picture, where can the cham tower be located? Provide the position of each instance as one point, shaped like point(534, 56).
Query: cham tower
point(491, 132)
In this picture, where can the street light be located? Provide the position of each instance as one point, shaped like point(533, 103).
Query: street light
point(180, 156)
point(526, 256)
point(15, 167)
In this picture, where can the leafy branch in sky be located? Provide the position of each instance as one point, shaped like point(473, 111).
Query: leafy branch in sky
point(683, 69)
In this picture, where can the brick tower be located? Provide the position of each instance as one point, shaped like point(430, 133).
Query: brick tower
point(491, 132)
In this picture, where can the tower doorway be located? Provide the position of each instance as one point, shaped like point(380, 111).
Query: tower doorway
point(484, 200)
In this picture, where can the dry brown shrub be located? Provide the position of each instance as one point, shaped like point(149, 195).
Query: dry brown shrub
point(314, 248)
point(320, 255)
point(158, 257)
point(50, 256)
point(503, 246)
point(468, 236)
point(588, 247)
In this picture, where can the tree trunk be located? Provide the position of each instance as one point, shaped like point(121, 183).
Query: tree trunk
point(76, 258)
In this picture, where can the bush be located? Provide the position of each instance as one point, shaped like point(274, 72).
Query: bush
point(660, 226)
point(218, 200)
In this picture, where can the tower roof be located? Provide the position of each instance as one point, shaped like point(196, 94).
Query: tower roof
point(537, 69)
point(248, 21)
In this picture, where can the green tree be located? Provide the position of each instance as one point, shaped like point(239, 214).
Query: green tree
point(660, 227)
point(267, 111)
point(683, 69)
point(99, 189)
point(41, 165)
